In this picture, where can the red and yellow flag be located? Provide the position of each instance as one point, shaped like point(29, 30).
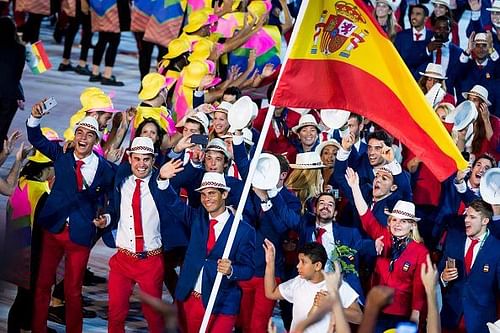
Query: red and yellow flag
point(42, 63)
point(340, 58)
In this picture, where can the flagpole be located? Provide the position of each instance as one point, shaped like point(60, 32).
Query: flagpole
point(244, 195)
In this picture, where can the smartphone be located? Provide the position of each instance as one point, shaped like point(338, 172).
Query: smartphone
point(199, 139)
point(49, 104)
point(450, 263)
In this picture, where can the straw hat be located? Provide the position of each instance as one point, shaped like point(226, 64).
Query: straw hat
point(159, 115)
point(223, 107)
point(176, 47)
point(200, 118)
point(393, 4)
point(213, 180)
point(199, 19)
point(445, 3)
point(86, 93)
point(465, 113)
point(267, 172)
point(306, 120)
point(309, 160)
point(490, 186)
point(404, 210)
point(334, 118)
point(495, 7)
point(142, 145)
point(494, 327)
point(218, 145)
point(434, 70)
point(194, 73)
point(478, 91)
point(481, 38)
point(332, 142)
point(89, 123)
point(152, 84)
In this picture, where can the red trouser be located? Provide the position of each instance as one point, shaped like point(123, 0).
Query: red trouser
point(124, 272)
point(191, 313)
point(54, 247)
point(255, 307)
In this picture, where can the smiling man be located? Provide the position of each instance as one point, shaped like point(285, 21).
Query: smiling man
point(210, 226)
point(473, 281)
point(66, 218)
point(140, 221)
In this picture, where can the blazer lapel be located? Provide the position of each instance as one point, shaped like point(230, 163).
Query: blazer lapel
point(221, 241)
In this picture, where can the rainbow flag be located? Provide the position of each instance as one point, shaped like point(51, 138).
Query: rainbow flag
point(41, 62)
point(338, 50)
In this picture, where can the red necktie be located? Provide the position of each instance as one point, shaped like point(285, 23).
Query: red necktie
point(79, 176)
point(319, 235)
point(211, 235)
point(325, 136)
point(418, 35)
point(469, 255)
point(136, 210)
point(439, 53)
point(480, 67)
point(235, 171)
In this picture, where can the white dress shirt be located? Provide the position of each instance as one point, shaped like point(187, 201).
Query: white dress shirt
point(421, 32)
point(328, 242)
point(125, 235)
point(468, 242)
point(218, 227)
point(88, 169)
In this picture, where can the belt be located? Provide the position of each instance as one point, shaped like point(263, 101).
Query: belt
point(141, 255)
point(196, 294)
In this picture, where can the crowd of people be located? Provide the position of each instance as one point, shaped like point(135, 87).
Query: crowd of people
point(343, 229)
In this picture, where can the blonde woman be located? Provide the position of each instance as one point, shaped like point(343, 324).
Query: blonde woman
point(384, 14)
point(400, 262)
point(306, 179)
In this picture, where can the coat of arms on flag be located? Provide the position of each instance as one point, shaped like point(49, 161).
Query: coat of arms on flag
point(333, 32)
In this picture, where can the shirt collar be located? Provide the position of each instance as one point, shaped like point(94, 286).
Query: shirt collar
point(145, 180)
point(327, 226)
point(86, 160)
point(480, 239)
point(221, 218)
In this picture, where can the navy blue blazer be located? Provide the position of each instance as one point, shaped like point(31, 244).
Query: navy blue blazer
point(455, 69)
point(64, 200)
point(305, 225)
point(472, 295)
point(366, 176)
point(172, 234)
point(413, 52)
point(241, 256)
point(273, 229)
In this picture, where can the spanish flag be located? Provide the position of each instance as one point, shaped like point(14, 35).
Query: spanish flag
point(340, 58)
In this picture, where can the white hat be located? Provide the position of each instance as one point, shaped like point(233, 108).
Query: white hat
point(435, 95)
point(332, 142)
point(214, 180)
point(201, 118)
point(89, 123)
point(495, 7)
point(142, 145)
point(267, 172)
point(393, 4)
point(465, 113)
point(309, 160)
point(404, 210)
point(494, 327)
point(241, 113)
point(217, 144)
point(490, 186)
point(306, 120)
point(480, 37)
point(434, 70)
point(441, 2)
point(223, 107)
point(478, 91)
point(335, 118)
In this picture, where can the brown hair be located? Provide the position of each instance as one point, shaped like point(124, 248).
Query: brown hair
point(483, 208)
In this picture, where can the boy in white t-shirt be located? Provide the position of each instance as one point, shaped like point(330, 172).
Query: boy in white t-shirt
point(308, 290)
